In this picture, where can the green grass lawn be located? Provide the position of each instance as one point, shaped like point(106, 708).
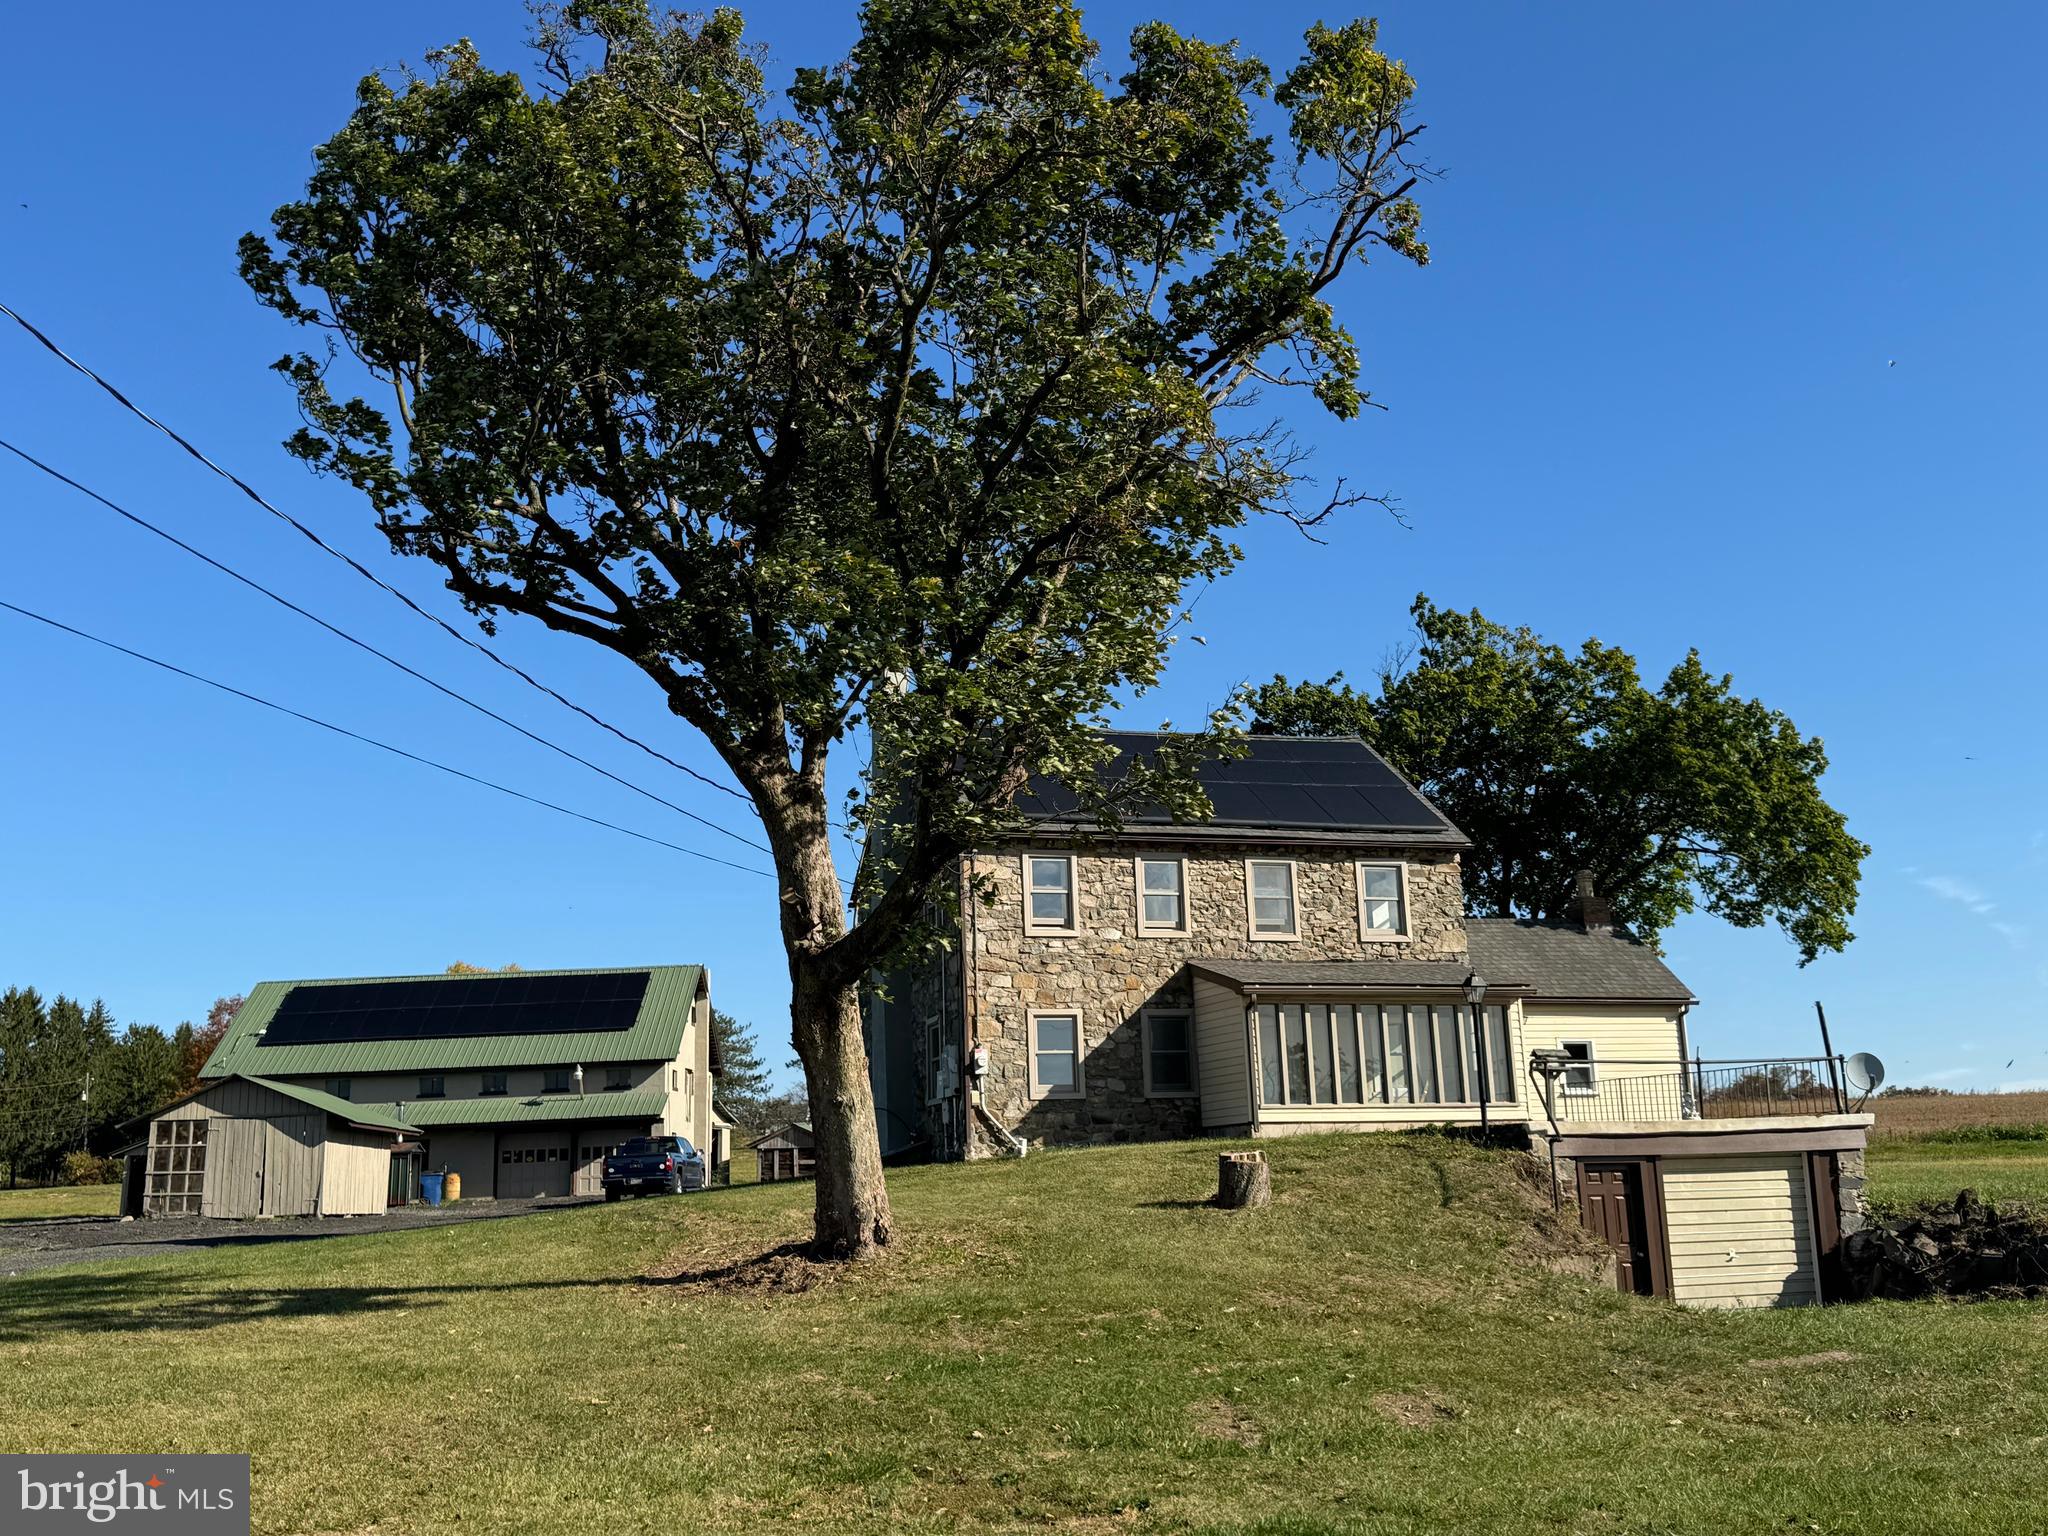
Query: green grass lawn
point(1907, 1169)
point(1071, 1343)
point(65, 1200)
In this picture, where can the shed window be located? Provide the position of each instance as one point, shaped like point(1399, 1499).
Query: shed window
point(558, 1080)
point(1368, 1053)
point(1049, 893)
point(1169, 1053)
point(177, 1167)
point(494, 1083)
point(435, 1087)
point(337, 1086)
point(1271, 886)
point(617, 1079)
point(1383, 900)
point(1578, 1077)
point(1056, 1055)
point(1162, 896)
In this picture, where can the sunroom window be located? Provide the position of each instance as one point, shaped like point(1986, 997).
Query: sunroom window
point(1313, 1054)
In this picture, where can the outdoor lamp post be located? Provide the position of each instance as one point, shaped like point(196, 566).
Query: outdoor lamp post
point(1475, 994)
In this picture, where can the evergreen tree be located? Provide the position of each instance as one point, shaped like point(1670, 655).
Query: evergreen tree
point(21, 1024)
point(743, 1079)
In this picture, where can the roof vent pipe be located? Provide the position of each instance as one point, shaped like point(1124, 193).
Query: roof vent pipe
point(1596, 913)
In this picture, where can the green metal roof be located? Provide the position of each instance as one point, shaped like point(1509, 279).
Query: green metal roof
point(429, 1114)
point(376, 1117)
point(656, 1034)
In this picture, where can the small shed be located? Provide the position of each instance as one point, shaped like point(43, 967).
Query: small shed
point(789, 1151)
point(253, 1146)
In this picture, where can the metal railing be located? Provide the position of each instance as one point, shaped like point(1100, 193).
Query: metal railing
point(1613, 1089)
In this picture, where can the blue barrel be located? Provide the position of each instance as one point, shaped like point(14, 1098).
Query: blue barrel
point(430, 1188)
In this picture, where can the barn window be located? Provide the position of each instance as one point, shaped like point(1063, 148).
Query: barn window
point(177, 1167)
point(433, 1088)
point(617, 1079)
point(494, 1082)
point(557, 1080)
point(338, 1086)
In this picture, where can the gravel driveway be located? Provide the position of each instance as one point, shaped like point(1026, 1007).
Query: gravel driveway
point(27, 1245)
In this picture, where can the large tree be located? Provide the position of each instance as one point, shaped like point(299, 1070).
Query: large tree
point(904, 401)
point(1554, 762)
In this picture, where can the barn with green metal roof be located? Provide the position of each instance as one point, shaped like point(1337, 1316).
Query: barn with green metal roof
point(517, 1083)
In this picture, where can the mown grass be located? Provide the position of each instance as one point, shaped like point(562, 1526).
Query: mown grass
point(2002, 1168)
point(63, 1200)
point(1071, 1343)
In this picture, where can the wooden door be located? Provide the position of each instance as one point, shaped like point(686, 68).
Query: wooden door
point(1612, 1204)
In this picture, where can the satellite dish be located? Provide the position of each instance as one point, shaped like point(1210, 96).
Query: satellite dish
point(1862, 1072)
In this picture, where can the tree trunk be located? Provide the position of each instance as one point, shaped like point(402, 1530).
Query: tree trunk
point(851, 1218)
point(1243, 1179)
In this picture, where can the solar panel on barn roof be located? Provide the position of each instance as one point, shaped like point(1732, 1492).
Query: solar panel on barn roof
point(330, 1012)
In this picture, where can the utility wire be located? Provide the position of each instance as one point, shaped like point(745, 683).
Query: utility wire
point(254, 585)
point(435, 619)
point(385, 746)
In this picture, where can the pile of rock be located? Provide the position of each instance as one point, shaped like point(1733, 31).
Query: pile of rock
point(1965, 1249)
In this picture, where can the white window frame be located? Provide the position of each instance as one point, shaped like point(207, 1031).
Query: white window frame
point(1038, 1089)
point(1384, 935)
point(1038, 928)
point(1251, 910)
point(1592, 1088)
point(1145, 1018)
point(1186, 927)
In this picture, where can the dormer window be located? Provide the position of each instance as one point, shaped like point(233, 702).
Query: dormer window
point(1049, 894)
point(1269, 888)
point(1383, 901)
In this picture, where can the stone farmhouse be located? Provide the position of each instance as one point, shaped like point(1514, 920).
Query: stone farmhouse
point(1302, 961)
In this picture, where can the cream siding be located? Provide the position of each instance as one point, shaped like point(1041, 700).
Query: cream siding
point(356, 1178)
point(1629, 1040)
point(1223, 1069)
point(1741, 1231)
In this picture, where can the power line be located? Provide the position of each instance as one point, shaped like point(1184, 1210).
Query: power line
point(385, 746)
point(435, 619)
point(360, 644)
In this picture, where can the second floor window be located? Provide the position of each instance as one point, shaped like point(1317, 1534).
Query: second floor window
point(558, 1080)
point(337, 1086)
point(617, 1079)
point(1271, 883)
point(1383, 901)
point(433, 1087)
point(494, 1083)
point(1162, 896)
point(1049, 893)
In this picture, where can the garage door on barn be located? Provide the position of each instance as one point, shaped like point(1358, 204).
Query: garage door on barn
point(1741, 1231)
point(533, 1163)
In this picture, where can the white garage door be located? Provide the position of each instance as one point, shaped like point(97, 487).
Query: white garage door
point(1741, 1231)
point(534, 1163)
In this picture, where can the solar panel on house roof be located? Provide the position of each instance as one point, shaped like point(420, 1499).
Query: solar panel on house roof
point(1319, 783)
point(330, 1012)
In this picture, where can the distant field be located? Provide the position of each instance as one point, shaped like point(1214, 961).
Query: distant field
point(65, 1200)
point(1915, 1116)
point(1904, 1171)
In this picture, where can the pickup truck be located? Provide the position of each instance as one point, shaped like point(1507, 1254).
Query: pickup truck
point(653, 1165)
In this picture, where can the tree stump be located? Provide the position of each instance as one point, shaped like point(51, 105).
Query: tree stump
point(1243, 1179)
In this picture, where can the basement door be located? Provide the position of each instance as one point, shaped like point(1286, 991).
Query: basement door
point(1615, 1203)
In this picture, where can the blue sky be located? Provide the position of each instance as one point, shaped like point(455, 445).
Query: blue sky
point(1734, 339)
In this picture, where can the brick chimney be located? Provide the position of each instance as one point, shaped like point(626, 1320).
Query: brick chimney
point(1596, 913)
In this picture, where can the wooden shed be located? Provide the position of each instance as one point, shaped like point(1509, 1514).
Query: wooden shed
point(250, 1146)
point(787, 1152)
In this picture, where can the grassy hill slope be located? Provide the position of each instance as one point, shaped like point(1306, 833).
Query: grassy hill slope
point(1070, 1343)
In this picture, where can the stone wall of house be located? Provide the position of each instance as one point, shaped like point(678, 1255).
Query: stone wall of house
point(1108, 973)
point(1852, 1210)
